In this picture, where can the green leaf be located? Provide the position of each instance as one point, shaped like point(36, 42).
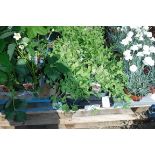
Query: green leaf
point(21, 62)
point(5, 64)
point(65, 108)
point(10, 115)
point(11, 49)
point(53, 59)
point(8, 104)
point(32, 31)
point(5, 35)
point(61, 68)
point(3, 77)
point(21, 68)
point(25, 40)
point(41, 30)
point(2, 45)
point(20, 116)
point(74, 107)
point(52, 73)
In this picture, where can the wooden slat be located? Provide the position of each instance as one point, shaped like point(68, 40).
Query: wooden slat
point(80, 119)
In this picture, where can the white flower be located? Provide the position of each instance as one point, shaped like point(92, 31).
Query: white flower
point(153, 39)
point(146, 28)
point(146, 48)
point(21, 47)
point(127, 52)
point(139, 35)
point(152, 49)
point(128, 57)
point(146, 52)
point(17, 36)
point(118, 28)
point(133, 68)
point(126, 40)
point(134, 27)
point(139, 45)
point(141, 38)
point(134, 47)
point(140, 54)
point(129, 38)
point(148, 61)
point(130, 34)
point(149, 34)
point(123, 28)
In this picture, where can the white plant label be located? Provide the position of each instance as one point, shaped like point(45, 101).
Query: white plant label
point(105, 102)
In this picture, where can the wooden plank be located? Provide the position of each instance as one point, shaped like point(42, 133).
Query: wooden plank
point(93, 125)
point(79, 119)
point(103, 118)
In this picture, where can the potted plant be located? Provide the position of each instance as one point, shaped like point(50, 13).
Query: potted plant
point(137, 85)
point(138, 56)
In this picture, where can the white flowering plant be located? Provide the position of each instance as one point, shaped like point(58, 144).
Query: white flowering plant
point(139, 57)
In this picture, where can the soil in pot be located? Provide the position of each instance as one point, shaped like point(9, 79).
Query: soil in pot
point(136, 98)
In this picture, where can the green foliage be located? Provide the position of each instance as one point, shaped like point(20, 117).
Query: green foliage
point(5, 68)
point(5, 35)
point(74, 107)
point(11, 49)
point(82, 50)
point(13, 110)
point(54, 69)
point(65, 108)
point(138, 84)
point(73, 58)
point(33, 31)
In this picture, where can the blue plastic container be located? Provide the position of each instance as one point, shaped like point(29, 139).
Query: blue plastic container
point(34, 104)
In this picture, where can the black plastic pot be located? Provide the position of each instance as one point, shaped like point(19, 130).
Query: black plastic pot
point(81, 103)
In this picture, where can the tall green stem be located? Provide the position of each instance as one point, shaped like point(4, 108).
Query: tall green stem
point(31, 69)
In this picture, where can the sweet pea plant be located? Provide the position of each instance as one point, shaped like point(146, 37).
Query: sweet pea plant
point(139, 56)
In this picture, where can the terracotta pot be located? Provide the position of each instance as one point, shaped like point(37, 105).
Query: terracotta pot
point(4, 88)
point(136, 98)
point(152, 89)
point(28, 86)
